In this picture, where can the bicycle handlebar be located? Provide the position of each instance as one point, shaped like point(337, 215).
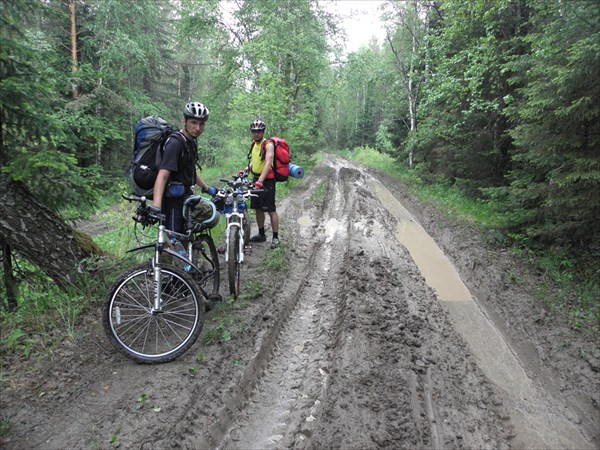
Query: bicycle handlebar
point(145, 214)
point(237, 182)
point(133, 198)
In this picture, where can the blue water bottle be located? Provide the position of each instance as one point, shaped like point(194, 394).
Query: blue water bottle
point(179, 248)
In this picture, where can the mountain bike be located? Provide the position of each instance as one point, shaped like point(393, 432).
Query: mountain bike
point(232, 202)
point(154, 312)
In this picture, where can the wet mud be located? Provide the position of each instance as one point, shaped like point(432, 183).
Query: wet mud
point(381, 333)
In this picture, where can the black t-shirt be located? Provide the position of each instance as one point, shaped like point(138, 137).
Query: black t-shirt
point(179, 157)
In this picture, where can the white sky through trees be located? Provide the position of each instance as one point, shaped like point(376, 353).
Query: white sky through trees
point(360, 19)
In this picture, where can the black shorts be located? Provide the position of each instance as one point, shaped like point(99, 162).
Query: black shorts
point(172, 208)
point(265, 200)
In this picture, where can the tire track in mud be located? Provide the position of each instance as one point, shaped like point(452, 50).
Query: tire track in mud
point(535, 416)
point(288, 398)
point(368, 357)
point(401, 376)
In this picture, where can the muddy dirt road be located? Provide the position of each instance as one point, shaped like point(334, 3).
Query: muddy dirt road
point(392, 328)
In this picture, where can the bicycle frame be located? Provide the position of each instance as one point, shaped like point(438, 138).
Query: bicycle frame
point(154, 312)
point(231, 225)
point(162, 245)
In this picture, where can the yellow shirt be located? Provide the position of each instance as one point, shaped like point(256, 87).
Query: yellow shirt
point(256, 159)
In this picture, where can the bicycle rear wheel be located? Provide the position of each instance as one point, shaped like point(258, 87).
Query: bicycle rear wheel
point(205, 256)
point(233, 261)
point(147, 336)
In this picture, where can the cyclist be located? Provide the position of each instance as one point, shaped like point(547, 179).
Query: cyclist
point(177, 167)
point(261, 166)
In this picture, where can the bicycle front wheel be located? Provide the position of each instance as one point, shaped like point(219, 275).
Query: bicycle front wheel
point(233, 261)
point(146, 335)
point(205, 256)
point(246, 229)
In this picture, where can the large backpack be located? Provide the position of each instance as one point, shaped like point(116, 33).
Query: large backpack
point(151, 134)
point(281, 159)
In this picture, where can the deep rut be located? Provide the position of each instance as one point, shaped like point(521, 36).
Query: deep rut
point(367, 357)
point(288, 399)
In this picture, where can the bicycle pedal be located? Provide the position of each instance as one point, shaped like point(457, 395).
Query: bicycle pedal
point(215, 297)
point(248, 250)
point(221, 250)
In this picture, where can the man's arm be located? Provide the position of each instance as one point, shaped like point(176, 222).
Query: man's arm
point(200, 182)
point(159, 186)
point(269, 155)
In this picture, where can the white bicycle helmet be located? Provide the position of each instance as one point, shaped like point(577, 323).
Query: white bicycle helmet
point(195, 110)
point(258, 125)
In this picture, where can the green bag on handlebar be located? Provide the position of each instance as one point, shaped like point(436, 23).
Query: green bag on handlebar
point(203, 211)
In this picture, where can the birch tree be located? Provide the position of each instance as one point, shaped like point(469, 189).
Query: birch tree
point(406, 37)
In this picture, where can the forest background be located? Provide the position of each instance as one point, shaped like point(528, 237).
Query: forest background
point(491, 105)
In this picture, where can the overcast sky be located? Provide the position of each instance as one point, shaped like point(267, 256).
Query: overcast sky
point(360, 20)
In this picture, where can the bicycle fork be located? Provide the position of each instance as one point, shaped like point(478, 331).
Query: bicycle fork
point(235, 227)
point(156, 268)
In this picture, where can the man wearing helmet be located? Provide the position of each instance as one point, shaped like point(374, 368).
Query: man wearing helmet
point(177, 167)
point(261, 163)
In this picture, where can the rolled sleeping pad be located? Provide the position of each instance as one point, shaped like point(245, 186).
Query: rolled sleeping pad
point(296, 171)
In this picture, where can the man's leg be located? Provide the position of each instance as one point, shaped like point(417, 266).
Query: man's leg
point(260, 223)
point(260, 219)
point(275, 228)
point(274, 221)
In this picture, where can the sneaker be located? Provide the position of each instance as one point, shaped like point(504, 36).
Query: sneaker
point(258, 238)
point(275, 243)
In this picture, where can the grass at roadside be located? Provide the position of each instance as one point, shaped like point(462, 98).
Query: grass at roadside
point(570, 286)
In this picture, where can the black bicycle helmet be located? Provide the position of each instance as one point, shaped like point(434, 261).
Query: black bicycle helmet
point(195, 110)
point(258, 125)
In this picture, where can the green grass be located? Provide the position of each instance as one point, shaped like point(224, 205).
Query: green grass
point(277, 259)
point(5, 426)
point(252, 290)
point(318, 196)
point(220, 327)
point(45, 314)
point(568, 289)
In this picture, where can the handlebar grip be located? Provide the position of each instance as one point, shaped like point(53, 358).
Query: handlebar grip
point(155, 213)
point(133, 198)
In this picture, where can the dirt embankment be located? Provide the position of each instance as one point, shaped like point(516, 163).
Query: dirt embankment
point(353, 347)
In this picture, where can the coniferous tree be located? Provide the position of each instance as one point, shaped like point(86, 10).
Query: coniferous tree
point(555, 188)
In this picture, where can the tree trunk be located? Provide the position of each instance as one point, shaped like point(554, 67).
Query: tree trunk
point(39, 235)
point(9, 279)
point(75, 83)
point(416, 22)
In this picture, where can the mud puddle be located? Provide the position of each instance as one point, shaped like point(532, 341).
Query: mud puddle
point(535, 419)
